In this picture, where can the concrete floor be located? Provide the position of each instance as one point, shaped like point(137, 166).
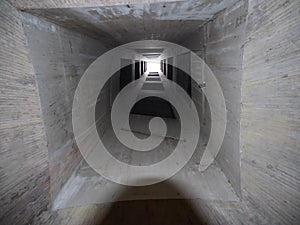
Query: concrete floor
point(148, 212)
point(87, 187)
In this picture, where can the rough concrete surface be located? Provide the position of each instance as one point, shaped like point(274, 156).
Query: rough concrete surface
point(252, 46)
point(270, 125)
point(124, 23)
point(24, 171)
point(59, 58)
point(224, 37)
point(31, 4)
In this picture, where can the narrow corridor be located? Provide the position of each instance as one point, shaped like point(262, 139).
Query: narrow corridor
point(149, 112)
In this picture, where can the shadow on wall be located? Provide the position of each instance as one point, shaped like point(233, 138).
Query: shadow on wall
point(153, 212)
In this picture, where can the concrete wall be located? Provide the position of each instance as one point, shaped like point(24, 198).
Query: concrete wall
point(265, 78)
point(24, 172)
point(59, 57)
point(223, 39)
point(182, 61)
point(220, 44)
point(196, 44)
point(270, 126)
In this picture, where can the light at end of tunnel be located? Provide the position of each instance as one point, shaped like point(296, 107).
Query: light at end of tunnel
point(153, 66)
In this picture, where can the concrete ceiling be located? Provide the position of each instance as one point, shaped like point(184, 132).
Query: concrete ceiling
point(169, 21)
point(57, 4)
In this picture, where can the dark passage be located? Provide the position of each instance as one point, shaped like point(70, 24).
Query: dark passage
point(153, 106)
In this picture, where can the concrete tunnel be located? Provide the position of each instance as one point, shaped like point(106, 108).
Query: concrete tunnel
point(234, 63)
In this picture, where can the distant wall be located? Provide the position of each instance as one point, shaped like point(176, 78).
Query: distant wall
point(270, 127)
point(59, 57)
point(24, 172)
